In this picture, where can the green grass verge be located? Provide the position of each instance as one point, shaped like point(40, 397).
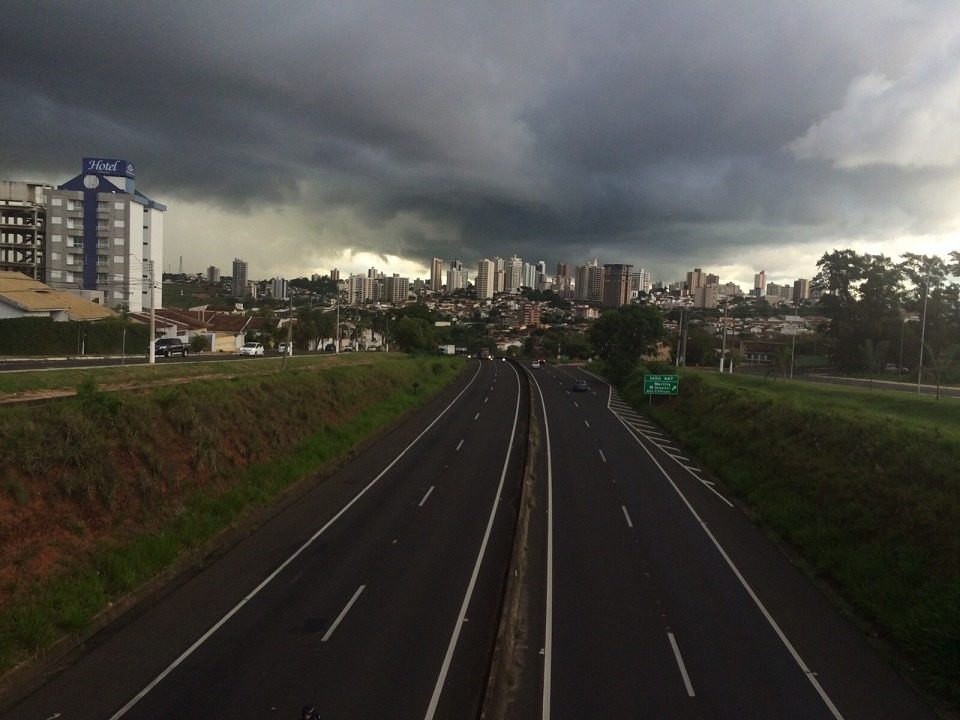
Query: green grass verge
point(68, 378)
point(863, 485)
point(67, 602)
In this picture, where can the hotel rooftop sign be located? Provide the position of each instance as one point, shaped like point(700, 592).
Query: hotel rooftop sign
point(107, 167)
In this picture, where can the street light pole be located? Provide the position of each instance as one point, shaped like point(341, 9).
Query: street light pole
point(923, 328)
point(903, 326)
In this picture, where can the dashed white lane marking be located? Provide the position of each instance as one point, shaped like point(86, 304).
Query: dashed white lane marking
point(486, 398)
point(683, 669)
point(343, 614)
point(459, 445)
point(576, 404)
point(627, 516)
point(476, 416)
point(602, 456)
point(422, 501)
point(587, 423)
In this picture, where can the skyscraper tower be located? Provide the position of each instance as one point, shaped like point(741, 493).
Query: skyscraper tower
point(239, 278)
point(436, 275)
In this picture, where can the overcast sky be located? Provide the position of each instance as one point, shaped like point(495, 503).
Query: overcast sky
point(732, 135)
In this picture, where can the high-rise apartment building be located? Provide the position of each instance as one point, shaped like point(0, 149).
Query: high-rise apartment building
point(512, 274)
point(105, 235)
point(590, 282)
point(278, 288)
point(695, 279)
point(23, 217)
point(395, 289)
point(335, 275)
point(616, 285)
point(759, 283)
point(706, 296)
point(213, 274)
point(436, 275)
point(486, 278)
point(239, 278)
point(457, 277)
point(563, 270)
point(801, 290)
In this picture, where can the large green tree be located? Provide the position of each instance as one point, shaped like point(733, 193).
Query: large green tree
point(620, 337)
point(414, 334)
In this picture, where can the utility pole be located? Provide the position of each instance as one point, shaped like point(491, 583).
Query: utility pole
point(723, 342)
point(153, 318)
point(337, 340)
point(289, 348)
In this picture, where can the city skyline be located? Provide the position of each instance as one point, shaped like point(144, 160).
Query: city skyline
point(657, 135)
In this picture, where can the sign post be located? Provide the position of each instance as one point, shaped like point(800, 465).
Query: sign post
point(661, 385)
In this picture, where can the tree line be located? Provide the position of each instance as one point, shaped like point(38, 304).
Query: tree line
point(877, 307)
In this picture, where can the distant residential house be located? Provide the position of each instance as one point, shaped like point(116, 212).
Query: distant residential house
point(22, 296)
point(227, 333)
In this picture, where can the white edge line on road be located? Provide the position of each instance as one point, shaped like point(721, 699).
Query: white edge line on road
point(343, 614)
point(459, 445)
point(267, 580)
point(743, 581)
point(425, 496)
point(627, 516)
point(602, 456)
point(683, 669)
point(548, 602)
point(448, 658)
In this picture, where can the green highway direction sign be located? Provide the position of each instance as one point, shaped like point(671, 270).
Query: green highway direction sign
point(661, 384)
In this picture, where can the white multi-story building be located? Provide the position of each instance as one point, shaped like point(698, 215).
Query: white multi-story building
point(457, 278)
point(436, 274)
point(105, 235)
point(361, 288)
point(278, 288)
point(486, 277)
point(512, 274)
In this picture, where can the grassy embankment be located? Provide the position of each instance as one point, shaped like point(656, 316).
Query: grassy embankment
point(103, 491)
point(865, 486)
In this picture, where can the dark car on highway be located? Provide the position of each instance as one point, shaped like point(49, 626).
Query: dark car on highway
point(165, 347)
point(580, 386)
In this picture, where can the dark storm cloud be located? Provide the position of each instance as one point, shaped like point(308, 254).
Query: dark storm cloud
point(557, 131)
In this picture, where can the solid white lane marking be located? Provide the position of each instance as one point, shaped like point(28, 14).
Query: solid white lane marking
point(683, 669)
point(587, 423)
point(426, 496)
point(627, 516)
point(548, 610)
point(602, 456)
point(459, 445)
point(461, 618)
point(811, 677)
point(280, 568)
point(343, 614)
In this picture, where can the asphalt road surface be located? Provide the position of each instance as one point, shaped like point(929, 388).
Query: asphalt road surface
point(664, 601)
point(375, 595)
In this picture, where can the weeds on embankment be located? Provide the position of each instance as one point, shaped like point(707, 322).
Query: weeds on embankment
point(864, 485)
point(104, 491)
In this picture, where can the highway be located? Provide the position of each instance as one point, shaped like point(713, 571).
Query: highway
point(375, 595)
point(664, 601)
point(646, 591)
